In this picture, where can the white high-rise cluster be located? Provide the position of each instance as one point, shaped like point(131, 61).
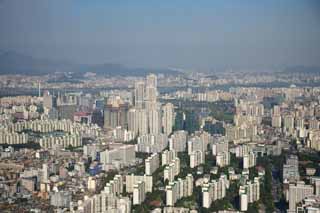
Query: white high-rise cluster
point(220, 149)
point(222, 145)
point(102, 202)
point(10, 134)
point(132, 179)
point(121, 134)
point(63, 141)
point(241, 150)
point(178, 189)
point(167, 156)
point(241, 134)
point(115, 112)
point(115, 186)
point(196, 158)
point(152, 143)
point(148, 117)
point(118, 155)
point(197, 144)
point(138, 121)
point(214, 190)
point(248, 111)
point(248, 117)
point(172, 170)
point(13, 138)
point(249, 193)
point(297, 192)
point(139, 186)
point(178, 141)
point(46, 126)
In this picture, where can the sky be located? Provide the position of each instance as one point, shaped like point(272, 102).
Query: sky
point(188, 34)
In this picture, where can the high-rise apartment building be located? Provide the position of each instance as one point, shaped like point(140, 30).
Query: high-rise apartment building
point(297, 192)
point(152, 164)
point(178, 141)
point(139, 94)
point(167, 118)
point(116, 114)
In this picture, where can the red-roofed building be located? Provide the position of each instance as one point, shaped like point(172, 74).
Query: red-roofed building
point(82, 117)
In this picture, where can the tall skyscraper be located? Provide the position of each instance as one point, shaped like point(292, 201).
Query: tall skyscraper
point(151, 91)
point(152, 80)
point(154, 118)
point(138, 121)
point(148, 117)
point(167, 118)
point(139, 94)
point(116, 114)
point(276, 117)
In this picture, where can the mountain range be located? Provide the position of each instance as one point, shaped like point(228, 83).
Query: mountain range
point(17, 63)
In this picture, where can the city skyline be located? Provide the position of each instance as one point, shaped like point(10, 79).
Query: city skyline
point(153, 106)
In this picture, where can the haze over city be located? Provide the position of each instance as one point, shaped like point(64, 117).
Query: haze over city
point(114, 106)
point(205, 35)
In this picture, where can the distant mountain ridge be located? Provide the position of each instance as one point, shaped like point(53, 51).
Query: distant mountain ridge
point(302, 69)
point(16, 63)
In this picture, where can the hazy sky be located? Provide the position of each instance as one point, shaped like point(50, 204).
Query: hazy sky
point(200, 34)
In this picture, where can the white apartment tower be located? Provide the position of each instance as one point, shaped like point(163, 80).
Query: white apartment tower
point(178, 141)
point(139, 94)
point(167, 118)
point(152, 164)
point(139, 193)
